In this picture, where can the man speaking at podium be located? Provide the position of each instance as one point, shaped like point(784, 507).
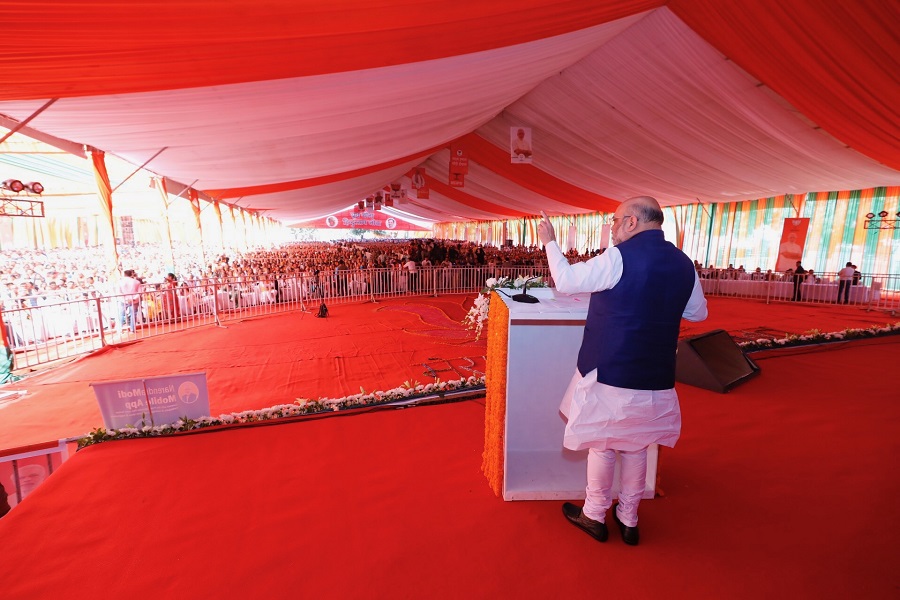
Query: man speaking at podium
point(622, 397)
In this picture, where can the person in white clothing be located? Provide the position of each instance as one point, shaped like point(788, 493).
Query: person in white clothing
point(410, 265)
point(129, 289)
point(845, 279)
point(622, 397)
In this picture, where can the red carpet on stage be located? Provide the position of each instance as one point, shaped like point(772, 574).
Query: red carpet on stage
point(265, 361)
point(782, 488)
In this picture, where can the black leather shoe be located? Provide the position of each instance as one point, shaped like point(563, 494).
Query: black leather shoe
point(630, 535)
point(595, 529)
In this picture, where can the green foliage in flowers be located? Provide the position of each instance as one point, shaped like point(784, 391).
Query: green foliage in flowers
point(814, 336)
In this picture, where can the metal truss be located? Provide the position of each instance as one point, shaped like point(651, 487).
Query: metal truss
point(21, 207)
point(881, 224)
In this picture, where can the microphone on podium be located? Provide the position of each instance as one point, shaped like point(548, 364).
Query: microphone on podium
point(524, 297)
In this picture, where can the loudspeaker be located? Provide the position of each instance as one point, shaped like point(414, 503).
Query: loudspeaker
point(713, 361)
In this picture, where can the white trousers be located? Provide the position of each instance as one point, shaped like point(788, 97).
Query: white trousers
point(601, 468)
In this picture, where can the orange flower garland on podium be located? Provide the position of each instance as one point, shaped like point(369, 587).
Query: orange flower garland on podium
point(532, 352)
point(495, 396)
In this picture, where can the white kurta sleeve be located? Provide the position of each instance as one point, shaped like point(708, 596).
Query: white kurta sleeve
point(696, 306)
point(600, 273)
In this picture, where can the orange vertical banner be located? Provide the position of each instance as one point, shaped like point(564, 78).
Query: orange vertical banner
point(793, 239)
point(104, 192)
point(194, 199)
point(218, 210)
point(195, 206)
point(243, 215)
point(164, 196)
point(256, 228)
point(234, 231)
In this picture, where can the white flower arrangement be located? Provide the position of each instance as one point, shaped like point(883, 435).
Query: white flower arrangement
point(478, 314)
point(814, 336)
point(302, 406)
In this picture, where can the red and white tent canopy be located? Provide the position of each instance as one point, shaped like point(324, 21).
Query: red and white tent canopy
point(303, 107)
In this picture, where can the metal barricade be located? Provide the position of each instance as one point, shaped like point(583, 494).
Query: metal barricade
point(878, 292)
point(885, 293)
point(43, 334)
point(59, 330)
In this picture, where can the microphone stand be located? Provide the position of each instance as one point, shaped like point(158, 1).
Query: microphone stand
point(524, 297)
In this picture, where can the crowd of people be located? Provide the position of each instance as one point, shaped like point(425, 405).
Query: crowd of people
point(148, 287)
point(32, 278)
point(35, 277)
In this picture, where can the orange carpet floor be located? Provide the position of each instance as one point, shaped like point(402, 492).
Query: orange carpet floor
point(780, 489)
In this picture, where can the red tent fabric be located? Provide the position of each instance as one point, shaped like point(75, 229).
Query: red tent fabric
point(302, 106)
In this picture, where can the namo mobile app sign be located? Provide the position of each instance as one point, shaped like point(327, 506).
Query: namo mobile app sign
point(171, 397)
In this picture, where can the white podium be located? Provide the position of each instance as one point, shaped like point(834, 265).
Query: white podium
point(541, 352)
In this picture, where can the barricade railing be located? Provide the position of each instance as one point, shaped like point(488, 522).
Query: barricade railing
point(885, 293)
point(873, 292)
point(55, 330)
point(42, 334)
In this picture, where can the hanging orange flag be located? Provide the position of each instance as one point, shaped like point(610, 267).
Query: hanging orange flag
point(195, 206)
point(104, 191)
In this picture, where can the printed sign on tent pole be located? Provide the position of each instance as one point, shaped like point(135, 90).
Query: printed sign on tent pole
point(459, 165)
point(520, 151)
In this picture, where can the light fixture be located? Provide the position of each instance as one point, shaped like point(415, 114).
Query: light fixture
point(870, 215)
point(898, 213)
point(883, 214)
point(13, 185)
point(34, 187)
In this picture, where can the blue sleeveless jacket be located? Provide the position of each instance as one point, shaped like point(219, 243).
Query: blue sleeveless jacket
point(631, 334)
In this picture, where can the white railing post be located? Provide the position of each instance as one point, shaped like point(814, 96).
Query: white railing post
point(100, 326)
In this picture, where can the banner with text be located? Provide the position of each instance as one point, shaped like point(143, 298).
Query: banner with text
point(459, 165)
point(123, 403)
point(363, 219)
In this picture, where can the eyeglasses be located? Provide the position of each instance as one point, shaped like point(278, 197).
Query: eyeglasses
point(614, 219)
